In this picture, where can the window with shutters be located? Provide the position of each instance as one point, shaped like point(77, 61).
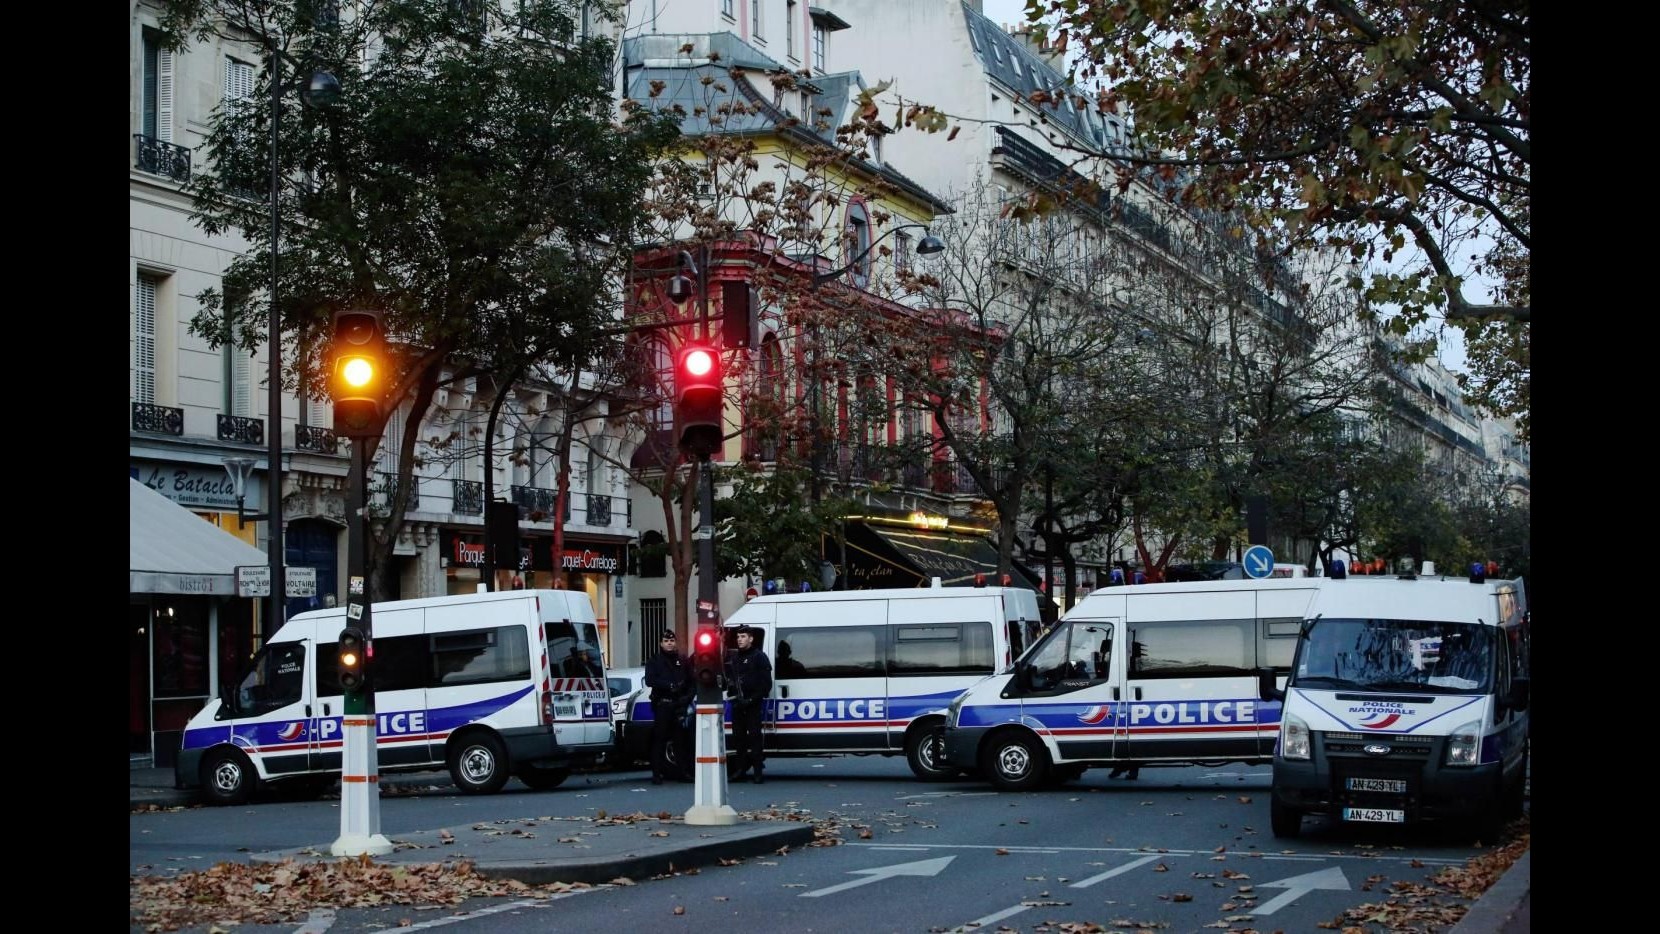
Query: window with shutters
point(144, 338)
point(239, 365)
point(157, 89)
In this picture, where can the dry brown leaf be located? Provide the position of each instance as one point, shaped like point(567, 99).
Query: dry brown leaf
point(1002, 852)
point(680, 909)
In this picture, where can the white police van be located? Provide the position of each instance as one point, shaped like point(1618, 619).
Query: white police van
point(1407, 702)
point(871, 671)
point(1167, 673)
point(475, 682)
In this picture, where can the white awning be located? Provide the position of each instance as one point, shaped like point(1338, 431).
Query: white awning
point(173, 550)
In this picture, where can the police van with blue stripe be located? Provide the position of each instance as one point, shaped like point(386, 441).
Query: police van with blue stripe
point(477, 683)
point(1134, 675)
point(871, 671)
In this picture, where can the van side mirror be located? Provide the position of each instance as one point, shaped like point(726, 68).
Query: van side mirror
point(1266, 689)
point(1520, 691)
point(1023, 675)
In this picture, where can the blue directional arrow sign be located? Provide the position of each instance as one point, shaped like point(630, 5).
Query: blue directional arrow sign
point(1259, 561)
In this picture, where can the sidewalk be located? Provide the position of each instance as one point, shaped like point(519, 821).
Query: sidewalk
point(541, 850)
point(561, 850)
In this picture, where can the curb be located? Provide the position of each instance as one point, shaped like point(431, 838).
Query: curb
point(1495, 908)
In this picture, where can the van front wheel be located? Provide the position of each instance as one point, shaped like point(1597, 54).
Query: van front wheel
point(1014, 761)
point(228, 777)
point(478, 764)
point(1286, 822)
point(925, 752)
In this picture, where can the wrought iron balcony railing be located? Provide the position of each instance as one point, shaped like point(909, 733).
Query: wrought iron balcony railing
point(599, 509)
point(241, 428)
point(312, 438)
point(161, 158)
point(387, 487)
point(163, 419)
point(468, 496)
point(536, 503)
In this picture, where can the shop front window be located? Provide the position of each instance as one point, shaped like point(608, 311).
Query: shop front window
point(181, 650)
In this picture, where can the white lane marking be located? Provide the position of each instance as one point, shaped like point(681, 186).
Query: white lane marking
point(1297, 886)
point(1100, 877)
point(945, 794)
point(1366, 857)
point(922, 867)
point(990, 919)
point(498, 909)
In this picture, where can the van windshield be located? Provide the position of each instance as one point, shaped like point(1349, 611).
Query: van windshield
point(1394, 655)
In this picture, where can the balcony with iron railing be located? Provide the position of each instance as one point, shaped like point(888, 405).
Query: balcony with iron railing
point(315, 439)
point(467, 497)
point(161, 158)
point(386, 489)
point(240, 429)
point(161, 419)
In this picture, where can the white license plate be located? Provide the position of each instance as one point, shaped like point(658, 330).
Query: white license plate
point(566, 711)
point(1375, 815)
point(1394, 785)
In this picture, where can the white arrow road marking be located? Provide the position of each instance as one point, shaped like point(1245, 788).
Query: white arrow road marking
point(922, 867)
point(1101, 877)
point(1298, 886)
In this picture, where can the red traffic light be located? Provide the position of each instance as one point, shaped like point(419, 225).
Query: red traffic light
point(698, 399)
point(706, 640)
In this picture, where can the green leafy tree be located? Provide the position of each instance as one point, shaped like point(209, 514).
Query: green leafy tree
point(767, 528)
point(471, 183)
point(1397, 131)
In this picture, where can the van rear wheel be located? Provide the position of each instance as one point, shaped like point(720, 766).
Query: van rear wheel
point(925, 752)
point(478, 764)
point(228, 777)
point(1014, 761)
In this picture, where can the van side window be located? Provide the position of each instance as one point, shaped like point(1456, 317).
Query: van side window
point(274, 680)
point(481, 656)
point(1076, 653)
point(843, 652)
point(1277, 641)
point(941, 649)
point(1193, 648)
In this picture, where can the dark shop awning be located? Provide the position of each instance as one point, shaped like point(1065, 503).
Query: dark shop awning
point(880, 556)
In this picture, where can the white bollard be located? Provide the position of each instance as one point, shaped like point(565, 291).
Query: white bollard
point(359, 791)
point(709, 807)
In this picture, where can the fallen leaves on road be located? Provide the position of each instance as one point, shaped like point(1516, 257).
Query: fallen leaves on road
point(1414, 908)
point(272, 893)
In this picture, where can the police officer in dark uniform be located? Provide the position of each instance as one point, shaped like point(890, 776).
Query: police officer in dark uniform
point(748, 682)
point(669, 676)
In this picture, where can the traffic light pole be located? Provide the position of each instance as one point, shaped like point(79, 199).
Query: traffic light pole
point(360, 763)
point(709, 793)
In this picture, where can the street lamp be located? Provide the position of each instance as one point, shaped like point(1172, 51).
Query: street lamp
point(239, 468)
point(930, 245)
point(320, 89)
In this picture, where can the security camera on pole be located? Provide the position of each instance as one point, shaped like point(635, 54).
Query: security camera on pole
point(699, 401)
point(358, 385)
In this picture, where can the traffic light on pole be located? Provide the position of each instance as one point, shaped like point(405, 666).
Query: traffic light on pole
point(706, 655)
point(353, 676)
point(358, 382)
point(698, 399)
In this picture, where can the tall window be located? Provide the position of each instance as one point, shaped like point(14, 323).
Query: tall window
point(902, 252)
point(727, 9)
point(755, 24)
point(857, 244)
point(821, 39)
point(239, 80)
point(789, 27)
point(144, 338)
point(157, 89)
point(662, 363)
point(239, 367)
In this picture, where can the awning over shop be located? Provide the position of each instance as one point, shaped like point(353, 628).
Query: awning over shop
point(172, 550)
point(896, 557)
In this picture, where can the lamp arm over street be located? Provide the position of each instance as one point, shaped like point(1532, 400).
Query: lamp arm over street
point(930, 244)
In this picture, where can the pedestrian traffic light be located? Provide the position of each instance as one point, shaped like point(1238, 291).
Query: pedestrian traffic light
point(698, 399)
point(349, 654)
point(358, 384)
point(706, 655)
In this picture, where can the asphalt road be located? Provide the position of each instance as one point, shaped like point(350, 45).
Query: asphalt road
point(1180, 849)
